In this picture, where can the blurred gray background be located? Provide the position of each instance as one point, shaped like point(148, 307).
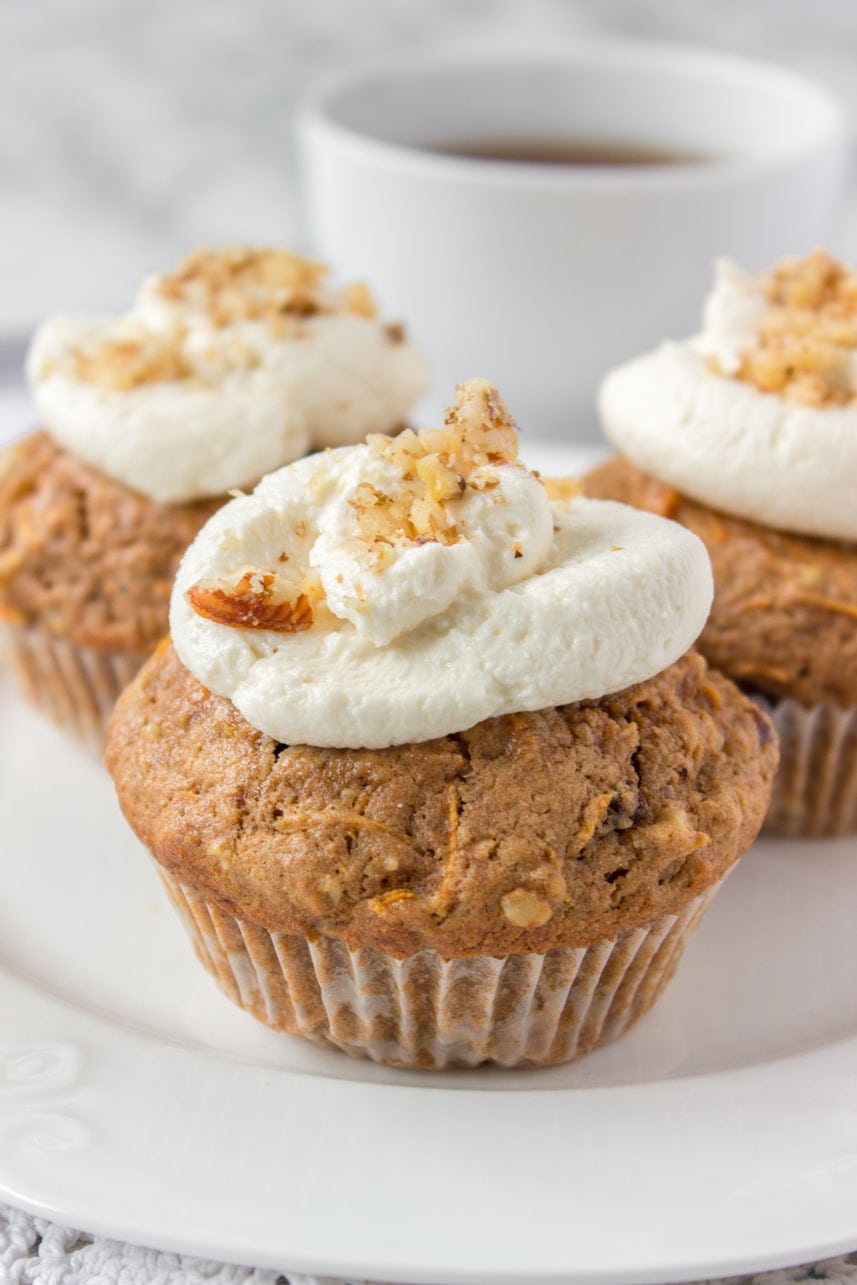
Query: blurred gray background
point(131, 132)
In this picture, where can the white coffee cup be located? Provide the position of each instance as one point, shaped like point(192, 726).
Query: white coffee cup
point(541, 276)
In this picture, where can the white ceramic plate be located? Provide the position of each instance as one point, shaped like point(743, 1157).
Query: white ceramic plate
point(719, 1136)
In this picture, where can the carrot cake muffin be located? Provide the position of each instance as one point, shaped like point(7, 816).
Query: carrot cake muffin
point(234, 364)
point(428, 768)
point(747, 434)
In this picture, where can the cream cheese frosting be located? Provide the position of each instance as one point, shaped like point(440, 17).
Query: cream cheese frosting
point(388, 593)
point(233, 366)
point(732, 315)
point(680, 414)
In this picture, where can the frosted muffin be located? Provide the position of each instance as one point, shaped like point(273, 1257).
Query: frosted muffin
point(428, 769)
point(236, 363)
point(747, 434)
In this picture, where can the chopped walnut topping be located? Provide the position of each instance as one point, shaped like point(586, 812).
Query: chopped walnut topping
point(409, 517)
point(357, 299)
point(413, 503)
point(128, 362)
point(562, 488)
point(229, 286)
point(256, 601)
point(239, 283)
point(808, 335)
point(441, 482)
point(437, 465)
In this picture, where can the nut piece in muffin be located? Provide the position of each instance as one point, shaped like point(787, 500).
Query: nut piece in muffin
point(472, 808)
point(747, 434)
point(237, 362)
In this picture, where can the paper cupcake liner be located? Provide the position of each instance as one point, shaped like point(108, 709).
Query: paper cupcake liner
point(426, 1011)
point(73, 685)
point(815, 788)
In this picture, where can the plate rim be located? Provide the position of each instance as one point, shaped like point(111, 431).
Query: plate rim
point(37, 1017)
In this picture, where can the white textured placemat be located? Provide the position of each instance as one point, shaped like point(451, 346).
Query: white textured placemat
point(36, 1252)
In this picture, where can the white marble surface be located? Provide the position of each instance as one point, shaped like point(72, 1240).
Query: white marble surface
point(130, 132)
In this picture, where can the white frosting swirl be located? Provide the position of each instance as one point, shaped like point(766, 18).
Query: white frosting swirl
point(443, 635)
point(722, 441)
point(251, 400)
point(732, 315)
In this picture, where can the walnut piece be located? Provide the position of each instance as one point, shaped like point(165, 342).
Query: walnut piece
point(357, 299)
point(525, 909)
point(438, 465)
point(254, 602)
point(562, 488)
point(808, 334)
point(128, 362)
point(675, 832)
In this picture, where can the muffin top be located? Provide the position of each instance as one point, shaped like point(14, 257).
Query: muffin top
point(238, 361)
point(83, 557)
point(411, 587)
point(757, 414)
point(784, 619)
point(528, 831)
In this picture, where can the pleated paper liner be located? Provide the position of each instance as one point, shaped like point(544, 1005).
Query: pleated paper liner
point(425, 1011)
point(815, 789)
point(75, 686)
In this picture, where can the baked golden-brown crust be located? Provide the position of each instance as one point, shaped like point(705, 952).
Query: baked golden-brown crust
point(784, 619)
point(526, 832)
point(83, 557)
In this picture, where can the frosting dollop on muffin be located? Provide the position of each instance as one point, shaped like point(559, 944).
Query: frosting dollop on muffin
point(757, 414)
point(408, 588)
point(239, 361)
